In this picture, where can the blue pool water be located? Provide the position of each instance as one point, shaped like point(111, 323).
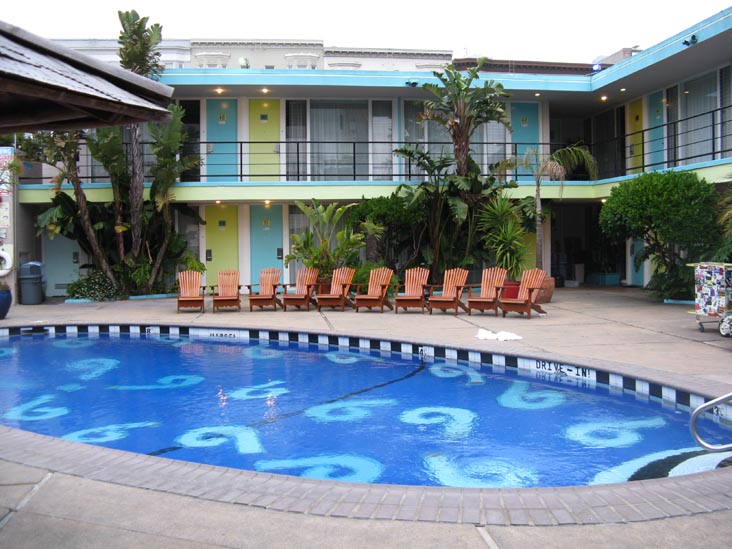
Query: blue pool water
point(339, 414)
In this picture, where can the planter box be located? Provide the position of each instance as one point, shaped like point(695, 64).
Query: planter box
point(604, 279)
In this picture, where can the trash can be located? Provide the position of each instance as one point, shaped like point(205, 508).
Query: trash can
point(31, 280)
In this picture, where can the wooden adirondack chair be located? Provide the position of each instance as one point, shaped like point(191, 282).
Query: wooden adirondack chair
point(375, 295)
point(304, 286)
point(492, 279)
point(190, 291)
point(226, 291)
point(415, 282)
point(452, 290)
point(269, 279)
point(339, 287)
point(529, 289)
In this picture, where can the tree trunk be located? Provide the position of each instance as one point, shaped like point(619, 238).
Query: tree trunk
point(539, 229)
point(137, 189)
point(161, 251)
point(100, 257)
point(119, 235)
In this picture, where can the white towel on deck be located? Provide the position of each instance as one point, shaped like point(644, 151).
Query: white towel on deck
point(500, 336)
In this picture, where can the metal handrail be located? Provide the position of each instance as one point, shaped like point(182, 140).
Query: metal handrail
point(698, 412)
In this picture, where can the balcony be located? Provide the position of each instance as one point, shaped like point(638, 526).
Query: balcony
point(699, 139)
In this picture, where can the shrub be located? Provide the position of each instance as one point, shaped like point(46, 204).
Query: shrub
point(94, 285)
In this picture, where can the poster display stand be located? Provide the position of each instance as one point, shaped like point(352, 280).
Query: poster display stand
point(713, 296)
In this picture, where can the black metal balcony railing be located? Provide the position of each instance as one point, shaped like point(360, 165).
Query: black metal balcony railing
point(695, 139)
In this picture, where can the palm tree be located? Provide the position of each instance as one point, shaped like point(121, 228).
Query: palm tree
point(554, 167)
point(451, 199)
point(137, 53)
point(462, 108)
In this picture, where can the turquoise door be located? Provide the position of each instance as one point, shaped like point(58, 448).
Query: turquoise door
point(525, 124)
point(62, 257)
point(656, 143)
point(636, 278)
point(221, 135)
point(266, 237)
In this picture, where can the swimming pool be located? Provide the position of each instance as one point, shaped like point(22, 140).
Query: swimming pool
point(397, 419)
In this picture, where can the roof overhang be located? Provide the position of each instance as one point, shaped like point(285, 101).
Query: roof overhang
point(45, 86)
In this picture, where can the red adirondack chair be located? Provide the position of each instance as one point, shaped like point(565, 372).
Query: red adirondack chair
point(529, 289)
point(304, 286)
point(375, 295)
point(452, 291)
point(339, 287)
point(413, 291)
point(492, 279)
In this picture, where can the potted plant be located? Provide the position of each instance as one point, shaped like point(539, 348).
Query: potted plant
point(6, 299)
point(323, 245)
point(501, 222)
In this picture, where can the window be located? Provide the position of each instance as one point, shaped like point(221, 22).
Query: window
point(339, 132)
point(296, 136)
point(381, 137)
point(699, 99)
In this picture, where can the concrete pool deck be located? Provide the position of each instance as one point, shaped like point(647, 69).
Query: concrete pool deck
point(55, 493)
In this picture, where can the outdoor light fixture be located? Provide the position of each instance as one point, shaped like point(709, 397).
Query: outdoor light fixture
point(690, 41)
point(603, 98)
point(265, 90)
point(219, 90)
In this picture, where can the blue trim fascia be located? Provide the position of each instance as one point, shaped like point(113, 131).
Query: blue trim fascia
point(712, 26)
point(360, 79)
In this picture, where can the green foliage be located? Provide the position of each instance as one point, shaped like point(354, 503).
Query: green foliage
point(137, 44)
point(400, 227)
point(674, 213)
point(324, 246)
point(190, 262)
point(94, 285)
point(501, 222)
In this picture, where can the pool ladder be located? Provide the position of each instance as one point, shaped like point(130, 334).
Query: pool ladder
point(698, 412)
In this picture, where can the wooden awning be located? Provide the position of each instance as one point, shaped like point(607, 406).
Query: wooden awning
point(45, 86)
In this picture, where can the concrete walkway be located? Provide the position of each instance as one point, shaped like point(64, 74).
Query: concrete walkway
point(59, 494)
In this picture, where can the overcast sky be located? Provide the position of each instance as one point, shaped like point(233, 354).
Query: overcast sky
point(534, 30)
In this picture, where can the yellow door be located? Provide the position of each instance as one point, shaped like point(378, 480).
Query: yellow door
point(222, 240)
point(635, 141)
point(264, 135)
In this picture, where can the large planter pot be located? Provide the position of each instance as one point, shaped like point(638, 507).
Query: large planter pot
point(6, 299)
point(547, 290)
point(510, 289)
point(322, 285)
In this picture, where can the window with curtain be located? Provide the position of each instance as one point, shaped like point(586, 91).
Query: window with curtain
point(339, 135)
point(725, 87)
point(490, 145)
point(699, 98)
point(298, 222)
point(672, 126)
point(382, 140)
point(427, 136)
point(296, 137)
